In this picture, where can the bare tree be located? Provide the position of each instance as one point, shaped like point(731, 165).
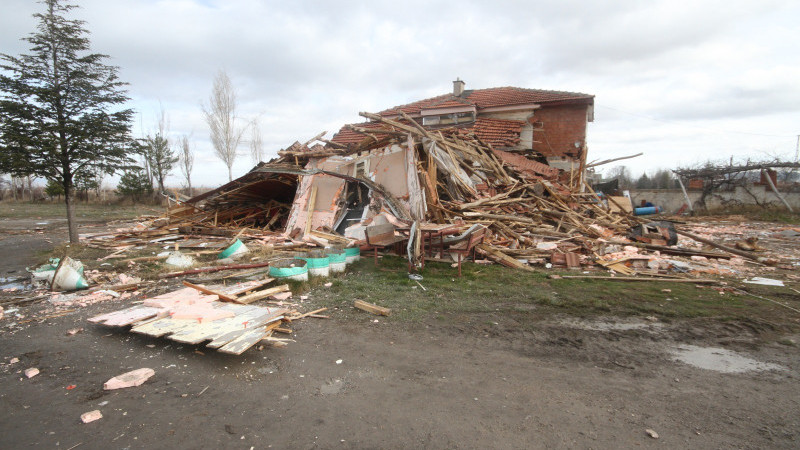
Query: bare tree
point(256, 147)
point(186, 156)
point(728, 175)
point(99, 176)
point(623, 174)
point(157, 151)
point(221, 118)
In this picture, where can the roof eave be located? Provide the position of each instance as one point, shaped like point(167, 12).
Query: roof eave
point(446, 110)
point(520, 107)
point(570, 101)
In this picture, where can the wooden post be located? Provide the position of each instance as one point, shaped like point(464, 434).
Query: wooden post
point(775, 190)
point(686, 196)
point(310, 214)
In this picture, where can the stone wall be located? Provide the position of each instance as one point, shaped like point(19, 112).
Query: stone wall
point(753, 195)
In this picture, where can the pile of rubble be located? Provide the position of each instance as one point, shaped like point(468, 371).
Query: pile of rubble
point(316, 195)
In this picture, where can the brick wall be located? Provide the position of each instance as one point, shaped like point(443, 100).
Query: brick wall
point(560, 127)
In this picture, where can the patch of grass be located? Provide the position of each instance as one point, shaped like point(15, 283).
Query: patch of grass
point(83, 211)
point(501, 291)
point(757, 213)
point(87, 255)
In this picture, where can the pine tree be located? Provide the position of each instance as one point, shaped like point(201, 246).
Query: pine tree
point(61, 107)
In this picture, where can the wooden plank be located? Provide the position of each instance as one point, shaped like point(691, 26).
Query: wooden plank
point(502, 258)
point(214, 269)
point(161, 327)
point(261, 294)
point(241, 288)
point(106, 316)
point(235, 330)
point(668, 280)
point(289, 319)
point(145, 312)
point(310, 214)
point(775, 190)
point(374, 309)
point(212, 330)
point(331, 237)
point(205, 290)
point(244, 341)
point(620, 204)
point(168, 325)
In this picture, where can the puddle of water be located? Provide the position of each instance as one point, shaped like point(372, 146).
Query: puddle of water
point(611, 326)
point(720, 360)
point(15, 283)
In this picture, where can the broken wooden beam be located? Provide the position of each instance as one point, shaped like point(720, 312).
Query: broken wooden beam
point(214, 269)
point(748, 255)
point(665, 279)
point(250, 298)
point(374, 309)
point(205, 290)
point(500, 257)
point(316, 311)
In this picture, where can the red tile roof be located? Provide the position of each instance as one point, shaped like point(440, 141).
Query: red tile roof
point(346, 136)
point(499, 133)
point(527, 167)
point(492, 97)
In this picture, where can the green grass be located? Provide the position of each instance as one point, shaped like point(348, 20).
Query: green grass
point(83, 211)
point(772, 214)
point(502, 292)
point(493, 293)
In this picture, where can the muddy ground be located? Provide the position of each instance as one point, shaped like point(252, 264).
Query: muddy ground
point(479, 382)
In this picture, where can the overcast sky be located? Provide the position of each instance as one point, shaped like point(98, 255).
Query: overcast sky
point(681, 81)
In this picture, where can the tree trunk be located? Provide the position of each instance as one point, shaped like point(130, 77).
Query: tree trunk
point(230, 173)
point(189, 183)
point(71, 222)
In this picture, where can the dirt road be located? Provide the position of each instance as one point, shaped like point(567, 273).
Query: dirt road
point(476, 382)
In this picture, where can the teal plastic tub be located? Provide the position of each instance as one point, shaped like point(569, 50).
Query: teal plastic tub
point(290, 268)
point(235, 249)
point(352, 254)
point(338, 260)
point(318, 263)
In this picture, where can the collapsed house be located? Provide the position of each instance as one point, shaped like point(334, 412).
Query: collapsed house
point(508, 158)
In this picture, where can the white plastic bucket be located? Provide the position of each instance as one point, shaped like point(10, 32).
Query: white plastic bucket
point(69, 276)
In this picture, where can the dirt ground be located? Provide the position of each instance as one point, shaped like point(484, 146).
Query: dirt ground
point(357, 381)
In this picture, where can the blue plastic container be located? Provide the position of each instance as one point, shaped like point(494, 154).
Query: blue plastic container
point(647, 210)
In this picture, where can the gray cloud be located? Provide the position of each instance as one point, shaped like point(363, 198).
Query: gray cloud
point(304, 66)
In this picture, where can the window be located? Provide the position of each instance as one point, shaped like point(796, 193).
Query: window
point(449, 119)
point(361, 169)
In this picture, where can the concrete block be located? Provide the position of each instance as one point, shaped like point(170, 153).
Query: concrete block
point(129, 379)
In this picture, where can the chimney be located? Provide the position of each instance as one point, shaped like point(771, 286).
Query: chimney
point(458, 87)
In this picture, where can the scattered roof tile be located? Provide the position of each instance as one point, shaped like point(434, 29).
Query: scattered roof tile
point(527, 167)
point(347, 136)
point(498, 133)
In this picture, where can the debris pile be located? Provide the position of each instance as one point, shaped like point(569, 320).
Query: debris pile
point(402, 173)
point(437, 188)
point(219, 314)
